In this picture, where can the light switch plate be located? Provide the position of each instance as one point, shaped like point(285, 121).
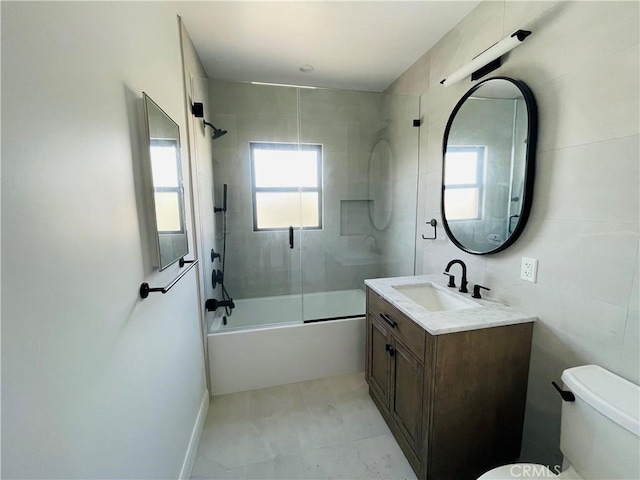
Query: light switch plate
point(529, 269)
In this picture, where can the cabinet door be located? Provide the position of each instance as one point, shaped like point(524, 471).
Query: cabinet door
point(406, 401)
point(379, 359)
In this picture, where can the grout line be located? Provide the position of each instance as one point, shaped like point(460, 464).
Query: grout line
point(578, 145)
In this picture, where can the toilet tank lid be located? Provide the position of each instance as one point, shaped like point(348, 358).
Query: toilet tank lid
point(608, 393)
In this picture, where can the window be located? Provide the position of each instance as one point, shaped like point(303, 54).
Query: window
point(286, 185)
point(463, 182)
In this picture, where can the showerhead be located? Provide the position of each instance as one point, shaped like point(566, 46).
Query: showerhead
point(217, 132)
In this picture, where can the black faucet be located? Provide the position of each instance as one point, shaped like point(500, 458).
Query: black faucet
point(463, 286)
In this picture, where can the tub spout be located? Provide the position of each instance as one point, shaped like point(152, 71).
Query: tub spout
point(212, 304)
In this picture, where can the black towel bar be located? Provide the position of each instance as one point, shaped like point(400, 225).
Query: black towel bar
point(145, 289)
point(183, 262)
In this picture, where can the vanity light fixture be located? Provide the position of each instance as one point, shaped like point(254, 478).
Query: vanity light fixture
point(488, 60)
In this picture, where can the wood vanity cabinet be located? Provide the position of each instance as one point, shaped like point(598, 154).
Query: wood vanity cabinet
point(454, 402)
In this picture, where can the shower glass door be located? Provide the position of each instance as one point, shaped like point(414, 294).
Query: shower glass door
point(368, 195)
point(322, 188)
point(257, 159)
point(278, 170)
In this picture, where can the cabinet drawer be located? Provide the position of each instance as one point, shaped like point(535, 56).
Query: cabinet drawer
point(402, 327)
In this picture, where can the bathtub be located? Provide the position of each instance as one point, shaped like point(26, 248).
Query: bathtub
point(266, 343)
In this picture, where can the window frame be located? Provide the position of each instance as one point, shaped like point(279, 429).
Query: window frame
point(481, 152)
point(254, 189)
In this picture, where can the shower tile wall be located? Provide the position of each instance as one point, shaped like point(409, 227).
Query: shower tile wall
point(348, 124)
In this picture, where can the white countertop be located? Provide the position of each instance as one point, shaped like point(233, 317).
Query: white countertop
point(488, 313)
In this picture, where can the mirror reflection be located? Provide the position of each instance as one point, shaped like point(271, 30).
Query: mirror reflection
point(488, 165)
point(166, 177)
point(381, 185)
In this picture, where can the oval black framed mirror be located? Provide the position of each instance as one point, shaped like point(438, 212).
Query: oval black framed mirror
point(488, 168)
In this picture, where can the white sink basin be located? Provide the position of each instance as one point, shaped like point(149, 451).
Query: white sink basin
point(435, 299)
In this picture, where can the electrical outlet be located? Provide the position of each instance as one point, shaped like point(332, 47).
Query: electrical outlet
point(529, 269)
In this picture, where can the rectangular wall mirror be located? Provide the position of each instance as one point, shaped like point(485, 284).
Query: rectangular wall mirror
point(165, 174)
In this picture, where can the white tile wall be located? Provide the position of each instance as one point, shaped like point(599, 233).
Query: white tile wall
point(582, 64)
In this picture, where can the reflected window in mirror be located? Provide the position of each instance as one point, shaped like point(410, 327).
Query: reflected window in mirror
point(463, 182)
point(166, 182)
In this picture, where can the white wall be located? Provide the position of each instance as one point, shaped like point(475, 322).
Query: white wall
point(96, 383)
point(582, 64)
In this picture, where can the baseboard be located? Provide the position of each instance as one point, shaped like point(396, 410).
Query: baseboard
point(190, 457)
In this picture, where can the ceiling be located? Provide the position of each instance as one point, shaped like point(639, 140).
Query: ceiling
point(351, 45)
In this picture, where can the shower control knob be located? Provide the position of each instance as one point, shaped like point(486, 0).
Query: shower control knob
point(216, 277)
point(214, 255)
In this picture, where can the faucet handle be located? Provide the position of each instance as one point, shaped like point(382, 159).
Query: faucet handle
point(476, 291)
point(452, 279)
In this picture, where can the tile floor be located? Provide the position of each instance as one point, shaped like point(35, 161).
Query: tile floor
point(322, 429)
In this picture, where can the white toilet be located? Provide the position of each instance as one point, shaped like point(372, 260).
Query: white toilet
point(599, 433)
